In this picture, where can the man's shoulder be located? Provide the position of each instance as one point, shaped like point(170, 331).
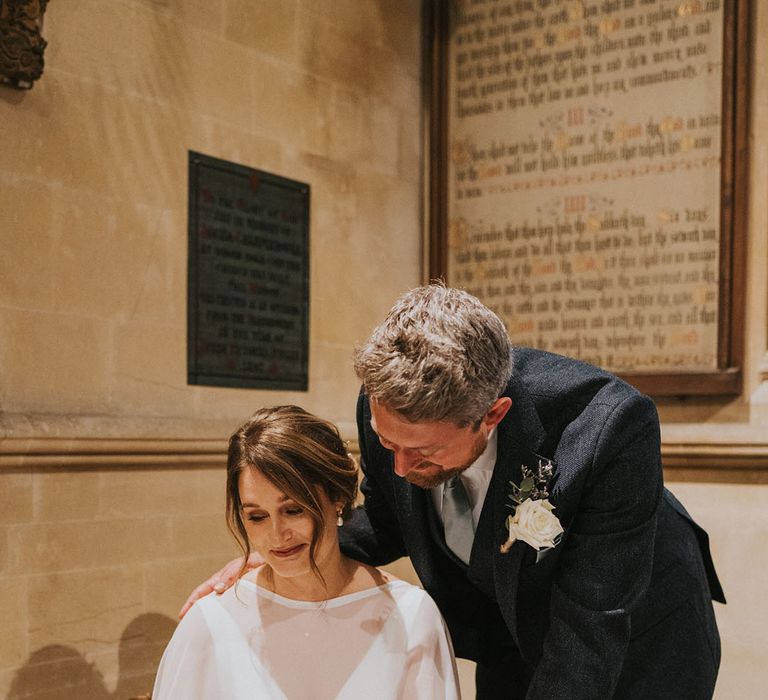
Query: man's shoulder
point(562, 387)
point(534, 358)
point(543, 372)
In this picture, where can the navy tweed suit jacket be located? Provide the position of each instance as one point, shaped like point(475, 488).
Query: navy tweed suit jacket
point(622, 606)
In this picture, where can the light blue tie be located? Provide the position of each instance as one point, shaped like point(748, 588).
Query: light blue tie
point(457, 519)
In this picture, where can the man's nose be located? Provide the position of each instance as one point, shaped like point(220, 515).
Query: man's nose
point(405, 461)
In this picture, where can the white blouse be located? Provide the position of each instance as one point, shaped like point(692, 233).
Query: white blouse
point(388, 642)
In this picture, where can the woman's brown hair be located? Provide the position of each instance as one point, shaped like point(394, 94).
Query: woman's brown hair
point(299, 453)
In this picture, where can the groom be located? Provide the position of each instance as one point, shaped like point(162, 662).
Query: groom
point(618, 604)
point(527, 490)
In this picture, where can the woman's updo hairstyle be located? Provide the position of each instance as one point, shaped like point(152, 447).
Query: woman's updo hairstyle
point(300, 454)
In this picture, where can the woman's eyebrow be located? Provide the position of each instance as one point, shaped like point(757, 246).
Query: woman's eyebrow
point(282, 499)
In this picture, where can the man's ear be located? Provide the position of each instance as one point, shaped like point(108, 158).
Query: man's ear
point(497, 411)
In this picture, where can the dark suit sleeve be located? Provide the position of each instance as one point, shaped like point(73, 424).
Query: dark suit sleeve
point(372, 534)
point(606, 561)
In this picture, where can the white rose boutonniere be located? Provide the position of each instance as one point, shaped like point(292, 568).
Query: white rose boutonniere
point(535, 524)
point(533, 521)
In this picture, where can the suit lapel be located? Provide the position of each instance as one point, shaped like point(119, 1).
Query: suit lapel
point(520, 437)
point(411, 503)
point(421, 530)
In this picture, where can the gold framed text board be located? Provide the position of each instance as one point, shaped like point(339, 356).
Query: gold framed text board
point(587, 178)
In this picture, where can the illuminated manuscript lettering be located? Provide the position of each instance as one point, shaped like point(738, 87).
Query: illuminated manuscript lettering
point(584, 179)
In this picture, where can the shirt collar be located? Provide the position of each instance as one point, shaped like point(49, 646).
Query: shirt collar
point(487, 459)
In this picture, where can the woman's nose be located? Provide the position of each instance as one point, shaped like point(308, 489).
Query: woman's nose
point(280, 530)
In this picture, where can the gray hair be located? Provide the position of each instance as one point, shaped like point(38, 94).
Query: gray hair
point(440, 355)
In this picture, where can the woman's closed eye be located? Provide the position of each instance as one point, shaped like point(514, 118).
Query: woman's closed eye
point(290, 511)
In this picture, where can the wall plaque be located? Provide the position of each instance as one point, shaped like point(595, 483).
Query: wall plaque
point(248, 285)
point(588, 178)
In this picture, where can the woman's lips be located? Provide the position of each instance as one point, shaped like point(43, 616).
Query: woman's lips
point(288, 551)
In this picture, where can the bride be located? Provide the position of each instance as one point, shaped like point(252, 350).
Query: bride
point(310, 622)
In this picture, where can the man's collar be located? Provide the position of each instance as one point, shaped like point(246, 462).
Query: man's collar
point(487, 459)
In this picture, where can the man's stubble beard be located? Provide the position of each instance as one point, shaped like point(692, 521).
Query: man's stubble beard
point(424, 481)
point(429, 481)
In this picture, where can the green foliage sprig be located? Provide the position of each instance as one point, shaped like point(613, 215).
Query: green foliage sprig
point(534, 484)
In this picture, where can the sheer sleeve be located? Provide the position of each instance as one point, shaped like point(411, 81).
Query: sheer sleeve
point(431, 672)
point(187, 669)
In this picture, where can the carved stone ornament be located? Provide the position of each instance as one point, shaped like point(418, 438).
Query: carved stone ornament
point(21, 45)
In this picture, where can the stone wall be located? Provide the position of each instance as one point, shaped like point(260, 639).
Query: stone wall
point(111, 471)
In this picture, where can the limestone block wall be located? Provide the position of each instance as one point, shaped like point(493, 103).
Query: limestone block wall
point(93, 563)
point(111, 472)
point(93, 188)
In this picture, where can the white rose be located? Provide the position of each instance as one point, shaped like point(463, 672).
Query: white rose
point(535, 524)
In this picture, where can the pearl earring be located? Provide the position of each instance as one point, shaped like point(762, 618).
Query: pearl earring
point(339, 519)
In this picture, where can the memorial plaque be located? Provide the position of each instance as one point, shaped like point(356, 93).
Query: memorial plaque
point(248, 286)
point(587, 182)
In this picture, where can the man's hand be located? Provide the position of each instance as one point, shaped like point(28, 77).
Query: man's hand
point(221, 580)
